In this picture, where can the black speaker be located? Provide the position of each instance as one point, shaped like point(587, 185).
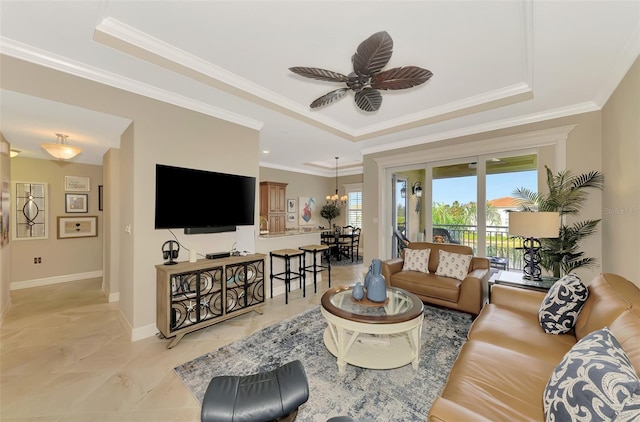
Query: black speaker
point(170, 251)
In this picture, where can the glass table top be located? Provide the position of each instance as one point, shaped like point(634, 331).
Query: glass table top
point(400, 306)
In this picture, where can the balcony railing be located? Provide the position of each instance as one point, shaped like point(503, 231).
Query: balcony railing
point(499, 243)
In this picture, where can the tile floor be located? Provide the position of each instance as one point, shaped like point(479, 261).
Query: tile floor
point(64, 355)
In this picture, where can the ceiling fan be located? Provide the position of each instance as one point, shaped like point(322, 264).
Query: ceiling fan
point(367, 77)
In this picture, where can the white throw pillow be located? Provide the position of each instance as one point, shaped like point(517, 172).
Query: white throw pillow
point(416, 260)
point(453, 265)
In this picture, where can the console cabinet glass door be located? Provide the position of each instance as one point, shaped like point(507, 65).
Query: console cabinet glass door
point(245, 285)
point(196, 296)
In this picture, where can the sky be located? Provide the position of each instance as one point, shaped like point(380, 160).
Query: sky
point(463, 189)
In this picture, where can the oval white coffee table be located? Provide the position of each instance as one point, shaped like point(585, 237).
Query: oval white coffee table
point(373, 335)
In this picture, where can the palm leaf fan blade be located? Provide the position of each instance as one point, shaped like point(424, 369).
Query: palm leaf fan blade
point(373, 54)
point(401, 78)
point(329, 98)
point(368, 99)
point(319, 74)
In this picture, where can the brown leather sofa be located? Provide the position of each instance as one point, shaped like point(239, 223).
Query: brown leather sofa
point(502, 370)
point(466, 295)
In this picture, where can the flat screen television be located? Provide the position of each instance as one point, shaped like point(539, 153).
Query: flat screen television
point(200, 201)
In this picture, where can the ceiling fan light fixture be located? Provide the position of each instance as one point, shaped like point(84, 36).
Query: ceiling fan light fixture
point(367, 78)
point(61, 149)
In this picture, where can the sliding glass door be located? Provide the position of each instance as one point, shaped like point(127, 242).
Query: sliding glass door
point(457, 187)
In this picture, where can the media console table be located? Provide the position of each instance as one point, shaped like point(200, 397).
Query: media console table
point(195, 295)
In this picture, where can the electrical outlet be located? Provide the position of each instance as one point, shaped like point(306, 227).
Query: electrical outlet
point(39, 260)
point(35, 260)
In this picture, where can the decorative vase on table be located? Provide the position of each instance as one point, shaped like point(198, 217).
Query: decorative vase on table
point(377, 289)
point(367, 277)
point(358, 291)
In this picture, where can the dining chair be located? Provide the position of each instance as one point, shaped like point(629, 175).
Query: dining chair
point(351, 245)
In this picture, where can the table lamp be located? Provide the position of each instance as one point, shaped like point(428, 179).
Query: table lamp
point(533, 226)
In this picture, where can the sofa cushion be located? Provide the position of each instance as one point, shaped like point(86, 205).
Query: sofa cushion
point(594, 381)
point(453, 265)
point(428, 285)
point(520, 331)
point(560, 308)
point(497, 383)
point(416, 260)
point(609, 296)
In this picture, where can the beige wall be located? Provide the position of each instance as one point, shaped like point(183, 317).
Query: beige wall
point(111, 227)
point(160, 133)
point(5, 251)
point(60, 257)
point(621, 164)
point(299, 184)
point(582, 141)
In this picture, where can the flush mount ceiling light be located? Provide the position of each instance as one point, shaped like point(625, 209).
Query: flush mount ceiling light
point(61, 149)
point(14, 153)
point(367, 77)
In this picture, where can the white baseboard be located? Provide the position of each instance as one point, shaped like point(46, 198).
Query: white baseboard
point(17, 285)
point(112, 297)
point(147, 331)
point(137, 333)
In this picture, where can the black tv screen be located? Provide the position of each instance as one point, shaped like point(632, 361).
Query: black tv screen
point(202, 201)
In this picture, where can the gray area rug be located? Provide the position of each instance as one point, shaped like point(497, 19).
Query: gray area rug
point(366, 395)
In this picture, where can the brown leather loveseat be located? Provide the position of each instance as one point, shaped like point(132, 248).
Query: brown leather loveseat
point(464, 295)
point(502, 370)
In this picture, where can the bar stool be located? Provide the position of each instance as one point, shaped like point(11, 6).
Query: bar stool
point(287, 275)
point(315, 267)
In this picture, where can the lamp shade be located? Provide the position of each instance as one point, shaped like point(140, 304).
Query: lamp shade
point(61, 149)
point(534, 224)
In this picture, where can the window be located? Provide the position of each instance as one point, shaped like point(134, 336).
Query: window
point(354, 205)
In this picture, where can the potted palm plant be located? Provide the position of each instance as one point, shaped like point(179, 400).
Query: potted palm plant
point(567, 194)
point(330, 212)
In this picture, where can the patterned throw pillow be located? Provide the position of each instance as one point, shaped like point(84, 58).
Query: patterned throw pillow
point(416, 260)
point(595, 381)
point(453, 265)
point(560, 308)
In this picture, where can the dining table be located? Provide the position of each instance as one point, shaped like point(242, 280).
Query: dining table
point(335, 240)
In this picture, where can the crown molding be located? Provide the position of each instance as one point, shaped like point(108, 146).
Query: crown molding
point(488, 127)
point(484, 146)
point(131, 41)
point(352, 171)
point(53, 61)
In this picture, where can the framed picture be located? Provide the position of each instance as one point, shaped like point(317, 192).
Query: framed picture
point(309, 213)
point(291, 206)
point(75, 202)
point(76, 184)
point(100, 193)
point(72, 227)
point(291, 217)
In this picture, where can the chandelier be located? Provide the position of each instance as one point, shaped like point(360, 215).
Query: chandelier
point(338, 201)
point(61, 149)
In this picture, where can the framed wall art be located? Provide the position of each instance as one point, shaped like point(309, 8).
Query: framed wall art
point(291, 205)
point(76, 184)
point(76, 202)
point(74, 227)
point(291, 217)
point(308, 214)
